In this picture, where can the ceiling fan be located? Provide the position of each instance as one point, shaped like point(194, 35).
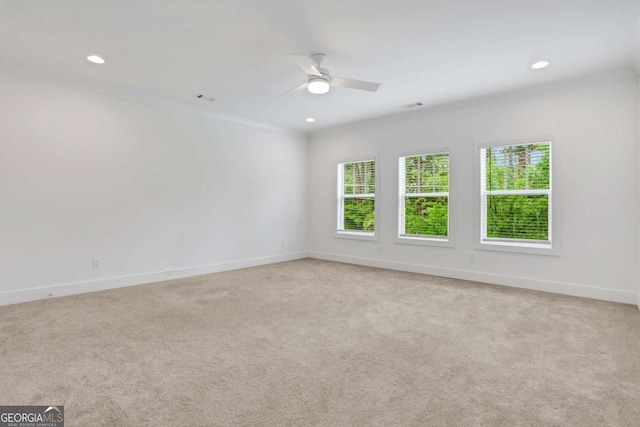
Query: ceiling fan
point(319, 81)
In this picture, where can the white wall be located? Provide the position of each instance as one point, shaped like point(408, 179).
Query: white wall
point(147, 188)
point(161, 193)
point(595, 128)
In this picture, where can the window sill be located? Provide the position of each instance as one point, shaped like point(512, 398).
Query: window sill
point(424, 241)
point(518, 247)
point(356, 235)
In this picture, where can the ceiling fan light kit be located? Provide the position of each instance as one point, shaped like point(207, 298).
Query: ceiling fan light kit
point(319, 84)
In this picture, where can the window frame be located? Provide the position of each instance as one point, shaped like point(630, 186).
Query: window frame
point(508, 245)
point(340, 196)
point(424, 240)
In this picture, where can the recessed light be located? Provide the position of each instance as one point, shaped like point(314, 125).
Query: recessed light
point(311, 119)
point(540, 64)
point(95, 59)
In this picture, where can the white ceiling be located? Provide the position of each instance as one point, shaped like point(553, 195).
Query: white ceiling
point(429, 51)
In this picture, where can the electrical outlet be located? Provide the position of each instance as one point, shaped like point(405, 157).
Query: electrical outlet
point(472, 257)
point(96, 262)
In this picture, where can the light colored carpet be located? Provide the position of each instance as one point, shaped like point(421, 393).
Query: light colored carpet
point(315, 343)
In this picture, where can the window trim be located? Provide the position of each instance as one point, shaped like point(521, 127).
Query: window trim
point(513, 245)
point(351, 234)
point(432, 240)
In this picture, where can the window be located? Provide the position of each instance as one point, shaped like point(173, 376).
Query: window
point(357, 198)
point(423, 205)
point(516, 195)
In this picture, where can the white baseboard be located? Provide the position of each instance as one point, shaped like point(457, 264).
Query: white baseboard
point(496, 279)
point(60, 290)
point(33, 294)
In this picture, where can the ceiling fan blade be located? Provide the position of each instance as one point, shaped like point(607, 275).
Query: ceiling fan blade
point(354, 84)
point(305, 63)
point(295, 89)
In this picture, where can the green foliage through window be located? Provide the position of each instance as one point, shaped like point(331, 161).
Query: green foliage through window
point(518, 167)
point(426, 216)
point(359, 214)
point(518, 217)
point(357, 196)
point(360, 178)
point(424, 195)
point(517, 189)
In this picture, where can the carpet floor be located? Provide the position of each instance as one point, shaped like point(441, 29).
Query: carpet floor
point(316, 343)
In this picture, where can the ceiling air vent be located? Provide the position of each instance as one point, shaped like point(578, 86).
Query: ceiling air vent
point(204, 97)
point(414, 105)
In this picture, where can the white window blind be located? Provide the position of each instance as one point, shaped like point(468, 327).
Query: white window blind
point(516, 194)
point(424, 196)
point(356, 197)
